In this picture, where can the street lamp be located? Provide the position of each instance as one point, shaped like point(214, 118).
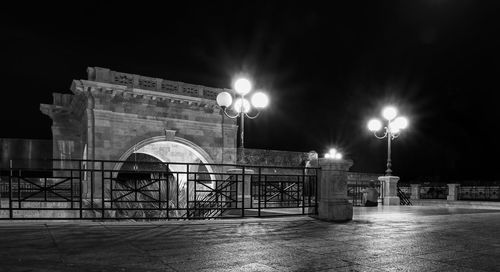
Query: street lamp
point(333, 154)
point(391, 131)
point(241, 106)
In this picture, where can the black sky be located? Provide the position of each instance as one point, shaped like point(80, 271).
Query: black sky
point(327, 68)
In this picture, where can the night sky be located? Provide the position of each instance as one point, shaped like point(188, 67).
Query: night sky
point(328, 69)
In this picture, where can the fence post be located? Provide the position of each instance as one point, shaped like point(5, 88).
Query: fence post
point(80, 183)
point(243, 189)
point(390, 184)
point(259, 190)
point(303, 190)
point(10, 190)
point(333, 202)
point(102, 190)
point(415, 191)
point(453, 190)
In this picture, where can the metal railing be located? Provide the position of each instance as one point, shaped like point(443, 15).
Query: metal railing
point(111, 190)
point(404, 199)
point(434, 192)
point(355, 192)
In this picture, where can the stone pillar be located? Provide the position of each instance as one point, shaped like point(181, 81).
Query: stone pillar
point(415, 191)
point(244, 183)
point(333, 204)
point(390, 184)
point(453, 190)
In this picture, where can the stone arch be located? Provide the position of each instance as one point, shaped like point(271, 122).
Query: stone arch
point(171, 150)
point(194, 148)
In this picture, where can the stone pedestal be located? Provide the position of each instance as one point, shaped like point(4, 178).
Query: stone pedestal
point(390, 193)
point(415, 191)
point(453, 189)
point(244, 183)
point(333, 204)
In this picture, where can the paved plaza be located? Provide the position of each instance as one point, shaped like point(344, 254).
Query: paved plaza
point(378, 239)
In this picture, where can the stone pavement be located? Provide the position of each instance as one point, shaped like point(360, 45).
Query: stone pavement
point(378, 239)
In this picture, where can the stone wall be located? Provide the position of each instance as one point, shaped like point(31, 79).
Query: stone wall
point(265, 157)
point(362, 179)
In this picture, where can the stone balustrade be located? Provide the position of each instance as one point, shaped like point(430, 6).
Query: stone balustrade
point(104, 75)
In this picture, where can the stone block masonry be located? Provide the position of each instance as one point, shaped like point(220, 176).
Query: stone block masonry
point(110, 112)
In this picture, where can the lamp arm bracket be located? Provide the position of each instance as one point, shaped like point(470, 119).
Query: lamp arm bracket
point(379, 137)
point(252, 117)
point(228, 115)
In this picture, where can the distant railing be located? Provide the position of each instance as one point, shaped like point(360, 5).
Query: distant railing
point(434, 192)
point(465, 192)
point(355, 191)
point(483, 193)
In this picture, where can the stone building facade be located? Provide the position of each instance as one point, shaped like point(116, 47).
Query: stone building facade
point(111, 114)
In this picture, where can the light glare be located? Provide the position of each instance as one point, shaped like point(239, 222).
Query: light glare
point(393, 128)
point(260, 100)
point(401, 122)
point(374, 125)
point(333, 154)
point(224, 99)
point(242, 86)
point(389, 112)
point(237, 105)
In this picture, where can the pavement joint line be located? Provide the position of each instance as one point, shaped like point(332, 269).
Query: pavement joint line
point(53, 239)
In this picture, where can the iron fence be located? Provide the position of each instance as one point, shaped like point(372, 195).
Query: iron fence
point(481, 193)
point(107, 190)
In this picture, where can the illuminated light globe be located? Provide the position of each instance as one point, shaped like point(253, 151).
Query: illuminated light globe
point(389, 113)
point(242, 86)
point(224, 99)
point(260, 100)
point(374, 125)
point(333, 154)
point(393, 127)
point(237, 105)
point(401, 122)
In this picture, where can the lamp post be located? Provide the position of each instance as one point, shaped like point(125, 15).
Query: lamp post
point(391, 130)
point(242, 107)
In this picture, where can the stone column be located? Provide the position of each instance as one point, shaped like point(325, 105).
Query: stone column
point(333, 204)
point(415, 191)
point(390, 184)
point(453, 190)
point(244, 183)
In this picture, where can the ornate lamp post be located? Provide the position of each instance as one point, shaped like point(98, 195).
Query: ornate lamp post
point(242, 107)
point(391, 130)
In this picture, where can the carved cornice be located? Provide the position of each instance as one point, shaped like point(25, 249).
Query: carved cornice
point(52, 110)
point(112, 90)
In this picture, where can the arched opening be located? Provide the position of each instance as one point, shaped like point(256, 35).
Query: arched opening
point(178, 153)
point(160, 179)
